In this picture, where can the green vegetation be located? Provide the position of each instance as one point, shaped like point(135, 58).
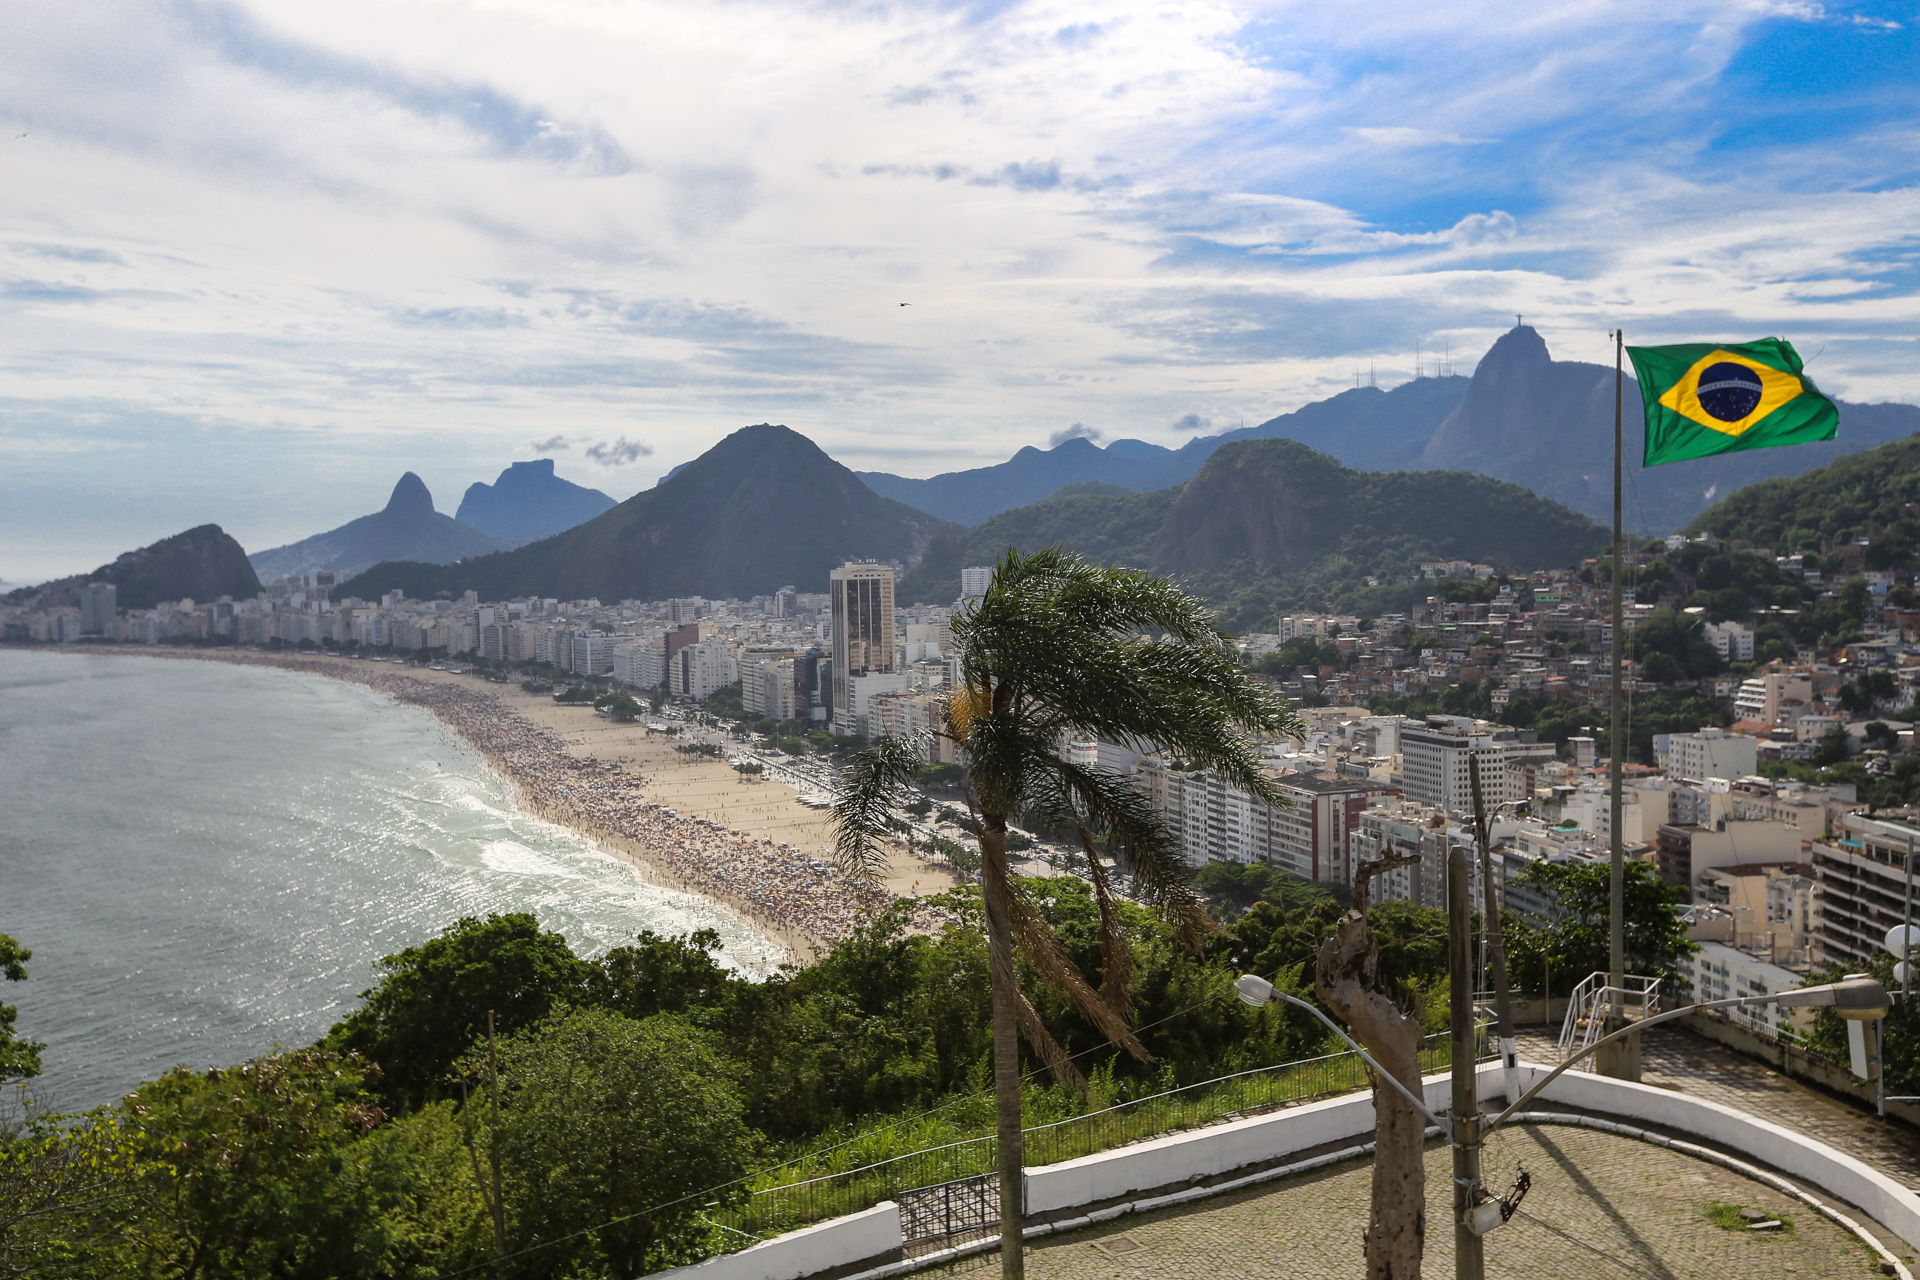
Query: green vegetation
point(1271, 525)
point(577, 695)
point(1873, 494)
point(1565, 950)
point(1732, 1217)
point(19, 1056)
point(1232, 888)
point(631, 1081)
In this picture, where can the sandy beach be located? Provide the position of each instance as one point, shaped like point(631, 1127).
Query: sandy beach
point(685, 822)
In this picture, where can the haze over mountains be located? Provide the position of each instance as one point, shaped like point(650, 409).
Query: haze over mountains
point(528, 502)
point(407, 528)
point(1548, 424)
point(1270, 524)
point(1365, 427)
point(1523, 417)
point(763, 509)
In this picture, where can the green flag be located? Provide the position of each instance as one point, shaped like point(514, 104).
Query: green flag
point(1703, 399)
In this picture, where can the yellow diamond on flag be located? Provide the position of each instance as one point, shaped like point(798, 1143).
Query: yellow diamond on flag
point(1729, 392)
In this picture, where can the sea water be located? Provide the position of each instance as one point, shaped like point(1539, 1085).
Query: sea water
point(207, 859)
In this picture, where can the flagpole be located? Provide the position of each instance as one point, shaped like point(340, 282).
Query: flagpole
point(1616, 887)
point(1621, 1062)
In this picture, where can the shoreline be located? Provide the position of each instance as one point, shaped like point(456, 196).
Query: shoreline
point(798, 902)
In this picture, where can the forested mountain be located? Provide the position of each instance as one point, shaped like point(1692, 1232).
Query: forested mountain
point(528, 502)
point(1271, 524)
point(204, 563)
point(1874, 494)
point(1548, 424)
point(1363, 427)
point(408, 528)
point(763, 509)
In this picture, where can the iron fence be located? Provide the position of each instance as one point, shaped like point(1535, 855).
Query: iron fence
point(788, 1197)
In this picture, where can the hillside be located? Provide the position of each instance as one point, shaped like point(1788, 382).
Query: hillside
point(1363, 427)
point(204, 563)
point(1548, 424)
point(527, 503)
point(1272, 524)
point(1872, 494)
point(763, 509)
point(408, 528)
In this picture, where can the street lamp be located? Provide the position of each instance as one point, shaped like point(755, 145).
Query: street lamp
point(1258, 992)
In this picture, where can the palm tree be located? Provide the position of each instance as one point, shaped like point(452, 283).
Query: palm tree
point(1058, 650)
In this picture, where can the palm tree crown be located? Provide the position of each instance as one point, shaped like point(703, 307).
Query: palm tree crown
point(1062, 650)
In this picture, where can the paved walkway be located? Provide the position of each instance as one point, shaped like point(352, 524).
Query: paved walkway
point(1675, 1058)
point(1601, 1207)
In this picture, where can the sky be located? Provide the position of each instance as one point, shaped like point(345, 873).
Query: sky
point(258, 259)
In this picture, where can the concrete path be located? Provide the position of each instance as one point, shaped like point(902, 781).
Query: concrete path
point(1674, 1058)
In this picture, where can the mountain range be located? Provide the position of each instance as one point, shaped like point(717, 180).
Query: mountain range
point(203, 563)
point(763, 509)
point(407, 528)
point(1362, 427)
point(1523, 417)
point(1270, 524)
point(527, 503)
point(1548, 424)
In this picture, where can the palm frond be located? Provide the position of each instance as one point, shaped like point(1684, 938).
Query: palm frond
point(1037, 1035)
point(873, 784)
point(1161, 876)
point(1042, 950)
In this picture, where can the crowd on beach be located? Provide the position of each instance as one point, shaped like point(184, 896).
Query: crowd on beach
point(774, 883)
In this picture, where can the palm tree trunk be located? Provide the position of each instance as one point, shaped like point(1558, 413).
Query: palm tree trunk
point(994, 892)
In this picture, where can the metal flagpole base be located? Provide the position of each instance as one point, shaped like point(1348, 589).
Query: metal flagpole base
point(1621, 1059)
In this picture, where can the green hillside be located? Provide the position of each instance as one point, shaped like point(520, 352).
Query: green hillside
point(1874, 494)
point(1271, 525)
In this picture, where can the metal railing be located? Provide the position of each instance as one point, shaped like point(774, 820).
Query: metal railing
point(799, 1199)
point(1594, 1004)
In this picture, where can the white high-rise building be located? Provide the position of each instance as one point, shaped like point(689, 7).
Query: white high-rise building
point(862, 614)
point(975, 580)
point(1434, 764)
point(1712, 753)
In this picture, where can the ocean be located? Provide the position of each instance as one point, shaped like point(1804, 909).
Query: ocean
point(206, 860)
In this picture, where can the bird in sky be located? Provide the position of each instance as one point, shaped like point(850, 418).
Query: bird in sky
point(904, 304)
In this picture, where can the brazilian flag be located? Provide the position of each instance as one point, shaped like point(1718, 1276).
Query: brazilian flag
point(1703, 399)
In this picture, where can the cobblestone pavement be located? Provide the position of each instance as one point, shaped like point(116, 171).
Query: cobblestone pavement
point(1600, 1207)
point(1675, 1058)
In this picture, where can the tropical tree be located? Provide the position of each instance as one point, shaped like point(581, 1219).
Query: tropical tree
point(19, 1056)
point(1059, 650)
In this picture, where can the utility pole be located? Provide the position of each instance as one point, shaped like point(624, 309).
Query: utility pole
point(1469, 1252)
point(1496, 942)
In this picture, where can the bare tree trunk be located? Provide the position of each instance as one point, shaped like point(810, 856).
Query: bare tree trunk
point(1345, 978)
point(994, 892)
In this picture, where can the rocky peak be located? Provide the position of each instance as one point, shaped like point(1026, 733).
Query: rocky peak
point(410, 497)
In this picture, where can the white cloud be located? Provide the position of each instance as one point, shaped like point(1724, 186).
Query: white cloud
point(381, 234)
